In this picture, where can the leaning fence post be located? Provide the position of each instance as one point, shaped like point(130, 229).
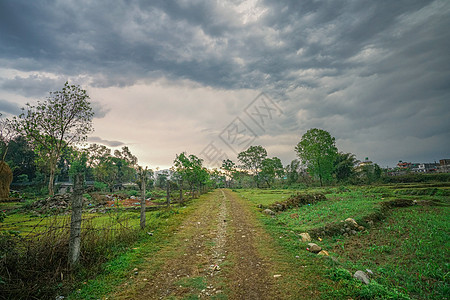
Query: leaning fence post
point(75, 221)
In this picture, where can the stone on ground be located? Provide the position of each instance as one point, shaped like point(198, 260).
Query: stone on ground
point(269, 212)
point(314, 248)
point(305, 237)
point(362, 276)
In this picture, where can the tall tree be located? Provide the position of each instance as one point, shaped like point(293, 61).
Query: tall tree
point(229, 167)
point(292, 171)
point(22, 158)
point(62, 120)
point(318, 151)
point(252, 159)
point(271, 168)
point(190, 168)
point(344, 166)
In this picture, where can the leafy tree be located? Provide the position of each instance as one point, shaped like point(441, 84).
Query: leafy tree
point(161, 179)
point(251, 160)
point(292, 171)
point(218, 178)
point(229, 167)
point(191, 170)
point(270, 169)
point(318, 151)
point(21, 158)
point(369, 173)
point(344, 166)
point(126, 165)
point(62, 120)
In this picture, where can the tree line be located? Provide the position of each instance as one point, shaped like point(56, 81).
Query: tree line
point(43, 143)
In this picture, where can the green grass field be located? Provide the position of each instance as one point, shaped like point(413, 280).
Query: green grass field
point(407, 251)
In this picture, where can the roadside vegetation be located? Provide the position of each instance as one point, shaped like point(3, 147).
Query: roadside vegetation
point(406, 248)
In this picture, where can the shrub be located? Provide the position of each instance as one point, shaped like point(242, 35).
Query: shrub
point(132, 193)
point(37, 267)
point(297, 200)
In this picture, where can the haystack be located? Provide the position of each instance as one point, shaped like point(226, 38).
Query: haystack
point(6, 177)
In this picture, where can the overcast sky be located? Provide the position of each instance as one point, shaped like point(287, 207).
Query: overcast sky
point(213, 77)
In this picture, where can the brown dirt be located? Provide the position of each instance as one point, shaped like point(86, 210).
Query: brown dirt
point(213, 255)
point(129, 203)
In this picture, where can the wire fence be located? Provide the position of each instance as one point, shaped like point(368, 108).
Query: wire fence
point(114, 220)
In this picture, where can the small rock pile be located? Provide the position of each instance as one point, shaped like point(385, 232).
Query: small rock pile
point(351, 227)
point(297, 200)
point(57, 202)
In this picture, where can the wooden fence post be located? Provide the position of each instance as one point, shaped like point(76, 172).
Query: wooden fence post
point(75, 221)
point(144, 177)
point(168, 192)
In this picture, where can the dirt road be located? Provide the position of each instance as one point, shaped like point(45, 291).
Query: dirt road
point(219, 252)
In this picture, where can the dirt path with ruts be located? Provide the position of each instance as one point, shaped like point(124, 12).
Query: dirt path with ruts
point(216, 254)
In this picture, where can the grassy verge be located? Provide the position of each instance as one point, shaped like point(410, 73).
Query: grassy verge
point(115, 272)
point(33, 251)
point(408, 251)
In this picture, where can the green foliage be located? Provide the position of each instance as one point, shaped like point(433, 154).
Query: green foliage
point(133, 193)
point(318, 151)
point(271, 168)
point(79, 164)
point(2, 216)
point(64, 119)
point(190, 170)
point(111, 170)
point(252, 161)
point(292, 171)
point(344, 166)
point(337, 274)
point(100, 186)
point(21, 158)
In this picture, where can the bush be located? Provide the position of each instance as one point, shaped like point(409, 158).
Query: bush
point(100, 186)
point(132, 193)
point(297, 200)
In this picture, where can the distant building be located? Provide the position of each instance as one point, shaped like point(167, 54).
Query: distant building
point(403, 165)
point(444, 166)
point(366, 162)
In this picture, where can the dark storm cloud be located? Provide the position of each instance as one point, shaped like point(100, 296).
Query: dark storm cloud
point(9, 107)
point(31, 86)
point(358, 67)
point(96, 139)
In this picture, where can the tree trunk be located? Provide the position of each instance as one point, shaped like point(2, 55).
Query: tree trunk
point(168, 193)
point(142, 223)
point(75, 222)
point(51, 183)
